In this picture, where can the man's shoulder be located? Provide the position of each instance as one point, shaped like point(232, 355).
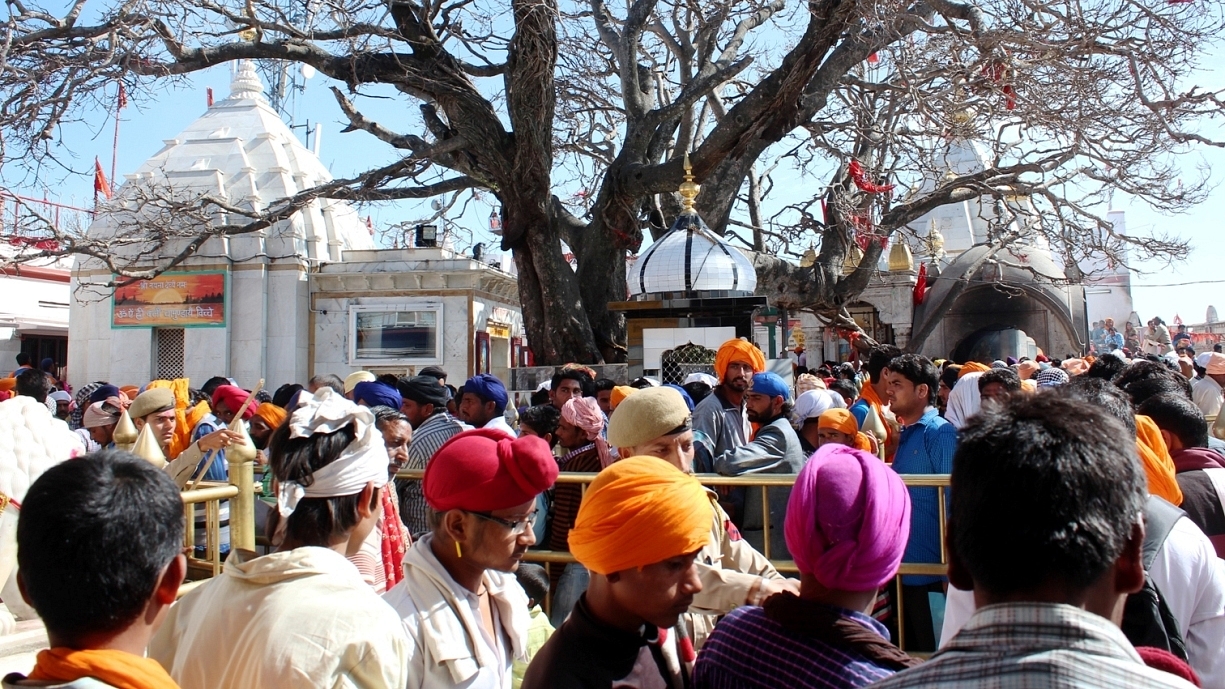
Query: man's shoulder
point(712, 403)
point(562, 663)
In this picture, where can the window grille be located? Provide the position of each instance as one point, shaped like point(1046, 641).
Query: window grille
point(170, 353)
point(677, 364)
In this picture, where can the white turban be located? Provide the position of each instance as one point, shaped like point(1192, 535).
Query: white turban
point(964, 400)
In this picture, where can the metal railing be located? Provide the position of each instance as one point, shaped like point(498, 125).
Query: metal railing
point(208, 496)
point(763, 482)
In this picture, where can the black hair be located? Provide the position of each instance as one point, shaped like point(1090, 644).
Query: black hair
point(641, 383)
point(605, 384)
point(542, 418)
point(1045, 489)
point(1178, 416)
point(539, 397)
point(34, 383)
point(1097, 393)
point(315, 521)
point(1143, 379)
point(284, 394)
point(327, 380)
point(918, 370)
point(584, 381)
point(1106, 367)
point(1004, 376)
point(388, 379)
point(195, 397)
point(210, 386)
point(534, 580)
point(949, 375)
point(93, 537)
point(845, 388)
point(24, 358)
point(879, 358)
point(697, 390)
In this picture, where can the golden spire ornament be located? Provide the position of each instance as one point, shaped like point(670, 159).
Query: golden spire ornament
point(689, 189)
point(148, 449)
point(124, 434)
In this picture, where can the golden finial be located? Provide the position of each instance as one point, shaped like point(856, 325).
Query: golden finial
point(689, 189)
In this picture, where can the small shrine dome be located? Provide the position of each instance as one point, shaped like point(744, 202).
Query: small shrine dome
point(691, 261)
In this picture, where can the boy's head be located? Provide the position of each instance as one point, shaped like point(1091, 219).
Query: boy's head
point(99, 547)
point(535, 582)
point(541, 421)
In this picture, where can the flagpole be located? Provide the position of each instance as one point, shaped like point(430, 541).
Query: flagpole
point(120, 100)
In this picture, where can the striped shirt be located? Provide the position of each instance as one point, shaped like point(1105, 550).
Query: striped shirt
point(1023, 645)
point(748, 650)
point(427, 438)
point(926, 447)
point(567, 496)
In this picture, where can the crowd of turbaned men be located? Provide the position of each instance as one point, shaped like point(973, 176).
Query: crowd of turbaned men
point(1077, 543)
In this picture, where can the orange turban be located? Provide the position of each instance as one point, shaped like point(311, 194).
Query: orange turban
point(7, 384)
point(738, 350)
point(972, 367)
point(130, 390)
point(272, 415)
point(843, 421)
point(637, 512)
point(619, 393)
point(1155, 457)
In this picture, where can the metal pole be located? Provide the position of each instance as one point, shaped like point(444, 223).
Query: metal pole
point(242, 506)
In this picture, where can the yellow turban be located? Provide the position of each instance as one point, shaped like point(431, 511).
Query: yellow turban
point(843, 421)
point(272, 415)
point(1155, 457)
point(618, 395)
point(972, 367)
point(637, 512)
point(738, 350)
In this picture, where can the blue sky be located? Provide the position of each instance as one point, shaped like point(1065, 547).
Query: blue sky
point(1185, 288)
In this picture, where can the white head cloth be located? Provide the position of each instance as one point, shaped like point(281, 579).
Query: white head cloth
point(812, 404)
point(964, 401)
point(363, 461)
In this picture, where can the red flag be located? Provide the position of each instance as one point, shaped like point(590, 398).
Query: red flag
point(209, 96)
point(101, 186)
point(920, 285)
point(123, 98)
point(873, 59)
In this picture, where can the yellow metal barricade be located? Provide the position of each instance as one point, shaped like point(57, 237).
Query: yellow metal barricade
point(208, 497)
point(763, 482)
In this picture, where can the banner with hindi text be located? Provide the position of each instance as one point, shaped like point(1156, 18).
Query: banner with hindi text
point(172, 300)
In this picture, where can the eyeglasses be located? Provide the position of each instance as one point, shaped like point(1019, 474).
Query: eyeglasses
point(516, 526)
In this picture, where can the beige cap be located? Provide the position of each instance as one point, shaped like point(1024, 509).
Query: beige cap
point(151, 401)
point(646, 415)
point(356, 377)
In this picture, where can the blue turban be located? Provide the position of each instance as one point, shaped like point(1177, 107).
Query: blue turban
point(102, 393)
point(375, 393)
point(684, 395)
point(488, 388)
point(770, 384)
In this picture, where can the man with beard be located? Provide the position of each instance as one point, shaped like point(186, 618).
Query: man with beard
point(465, 614)
point(482, 403)
point(721, 417)
point(926, 446)
point(774, 450)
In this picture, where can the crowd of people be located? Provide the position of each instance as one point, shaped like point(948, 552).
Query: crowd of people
point(1083, 542)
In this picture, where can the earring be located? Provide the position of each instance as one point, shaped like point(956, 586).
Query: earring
point(458, 553)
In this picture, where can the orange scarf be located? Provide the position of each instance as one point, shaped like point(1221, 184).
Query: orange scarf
point(185, 419)
point(116, 668)
point(1155, 457)
point(869, 393)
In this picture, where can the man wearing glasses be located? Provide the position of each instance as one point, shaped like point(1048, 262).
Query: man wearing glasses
point(465, 614)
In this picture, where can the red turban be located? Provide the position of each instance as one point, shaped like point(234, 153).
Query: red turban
point(738, 350)
point(234, 397)
point(484, 470)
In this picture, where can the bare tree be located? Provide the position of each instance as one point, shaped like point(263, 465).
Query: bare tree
point(1074, 99)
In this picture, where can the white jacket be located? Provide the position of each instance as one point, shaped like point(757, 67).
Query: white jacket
point(443, 625)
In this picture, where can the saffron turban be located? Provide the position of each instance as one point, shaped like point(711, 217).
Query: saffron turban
point(1027, 369)
point(1156, 460)
point(619, 393)
point(848, 519)
point(233, 396)
point(271, 414)
point(130, 390)
point(375, 393)
point(843, 421)
point(485, 470)
point(738, 350)
point(972, 367)
point(1216, 364)
point(7, 384)
point(489, 388)
point(638, 512)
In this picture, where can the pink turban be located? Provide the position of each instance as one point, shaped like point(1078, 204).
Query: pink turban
point(848, 519)
point(584, 412)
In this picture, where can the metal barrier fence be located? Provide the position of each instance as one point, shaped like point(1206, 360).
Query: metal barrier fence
point(208, 496)
point(763, 482)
